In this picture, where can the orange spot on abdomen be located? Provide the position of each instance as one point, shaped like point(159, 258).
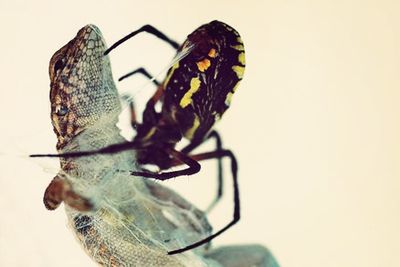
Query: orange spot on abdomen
point(204, 64)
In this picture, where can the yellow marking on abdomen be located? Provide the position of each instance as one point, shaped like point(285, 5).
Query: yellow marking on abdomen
point(236, 86)
point(196, 123)
point(187, 98)
point(228, 99)
point(173, 68)
point(239, 70)
point(238, 47)
point(203, 65)
point(149, 134)
point(212, 53)
point(242, 59)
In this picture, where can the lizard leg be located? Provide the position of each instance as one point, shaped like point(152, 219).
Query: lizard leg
point(60, 190)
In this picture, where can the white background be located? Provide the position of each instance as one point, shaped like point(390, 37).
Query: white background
point(314, 124)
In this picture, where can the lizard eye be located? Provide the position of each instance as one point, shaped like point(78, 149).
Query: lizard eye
point(59, 65)
point(61, 110)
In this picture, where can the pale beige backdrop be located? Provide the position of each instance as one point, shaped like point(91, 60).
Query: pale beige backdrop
point(315, 124)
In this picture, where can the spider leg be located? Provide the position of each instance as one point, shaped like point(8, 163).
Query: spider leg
point(194, 167)
point(115, 148)
point(150, 115)
point(132, 110)
point(146, 28)
point(220, 182)
point(127, 99)
point(149, 112)
point(142, 71)
point(60, 190)
point(236, 212)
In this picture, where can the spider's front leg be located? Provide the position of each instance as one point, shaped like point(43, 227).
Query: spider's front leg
point(142, 71)
point(146, 28)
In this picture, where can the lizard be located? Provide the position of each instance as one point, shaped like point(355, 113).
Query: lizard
point(120, 220)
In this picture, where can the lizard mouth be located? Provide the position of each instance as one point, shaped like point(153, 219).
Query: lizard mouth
point(90, 33)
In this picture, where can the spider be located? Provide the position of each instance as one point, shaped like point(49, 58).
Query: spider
point(194, 95)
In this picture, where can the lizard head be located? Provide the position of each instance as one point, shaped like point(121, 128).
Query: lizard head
point(82, 87)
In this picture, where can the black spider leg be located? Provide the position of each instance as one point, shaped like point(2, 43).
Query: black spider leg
point(142, 71)
point(236, 200)
point(132, 110)
point(111, 149)
point(146, 28)
point(220, 182)
point(194, 167)
point(150, 104)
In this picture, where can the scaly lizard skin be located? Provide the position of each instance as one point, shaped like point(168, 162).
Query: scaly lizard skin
point(121, 220)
